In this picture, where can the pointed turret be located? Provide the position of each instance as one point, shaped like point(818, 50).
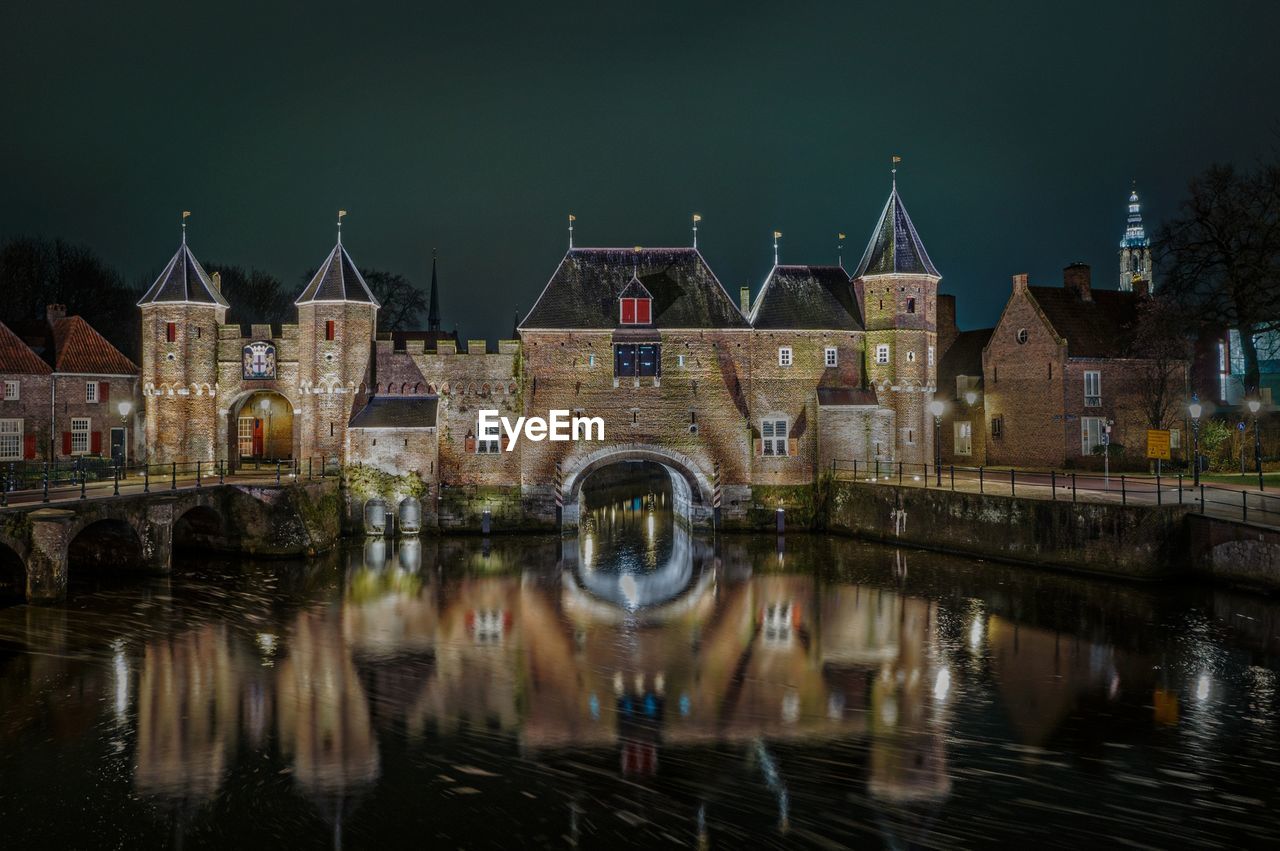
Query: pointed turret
point(433, 312)
point(338, 280)
point(183, 281)
point(895, 247)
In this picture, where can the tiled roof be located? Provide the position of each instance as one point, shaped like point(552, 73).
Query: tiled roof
point(584, 291)
point(804, 298)
point(847, 396)
point(895, 247)
point(338, 279)
point(1102, 327)
point(397, 412)
point(81, 349)
point(963, 357)
point(183, 280)
point(16, 357)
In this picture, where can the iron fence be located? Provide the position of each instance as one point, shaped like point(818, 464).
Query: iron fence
point(1248, 505)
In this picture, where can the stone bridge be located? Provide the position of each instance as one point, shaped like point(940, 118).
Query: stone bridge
point(42, 547)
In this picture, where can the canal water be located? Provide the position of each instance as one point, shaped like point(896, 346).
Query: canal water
point(637, 687)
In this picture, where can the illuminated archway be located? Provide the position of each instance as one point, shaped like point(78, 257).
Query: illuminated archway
point(261, 429)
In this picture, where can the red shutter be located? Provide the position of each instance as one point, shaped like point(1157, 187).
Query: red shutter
point(328, 329)
point(643, 310)
point(95, 443)
point(29, 446)
point(171, 331)
point(628, 311)
point(104, 391)
point(66, 443)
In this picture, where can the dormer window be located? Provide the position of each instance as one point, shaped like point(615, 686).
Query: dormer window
point(635, 304)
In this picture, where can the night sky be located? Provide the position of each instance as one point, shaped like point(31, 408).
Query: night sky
point(477, 129)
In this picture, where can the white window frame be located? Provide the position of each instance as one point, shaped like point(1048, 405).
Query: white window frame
point(785, 357)
point(1175, 438)
point(931, 356)
point(773, 435)
point(831, 356)
point(91, 392)
point(1092, 381)
point(882, 353)
point(1092, 430)
point(680, 360)
point(244, 436)
point(11, 434)
point(81, 428)
point(491, 443)
point(12, 390)
point(963, 431)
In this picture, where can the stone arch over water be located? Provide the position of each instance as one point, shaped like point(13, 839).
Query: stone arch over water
point(691, 488)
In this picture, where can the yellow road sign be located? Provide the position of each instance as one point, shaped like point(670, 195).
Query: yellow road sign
point(1158, 444)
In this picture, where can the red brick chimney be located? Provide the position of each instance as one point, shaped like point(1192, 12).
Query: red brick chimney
point(1020, 282)
point(54, 312)
point(947, 330)
point(1076, 279)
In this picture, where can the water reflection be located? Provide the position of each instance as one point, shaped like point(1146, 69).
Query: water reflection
point(525, 691)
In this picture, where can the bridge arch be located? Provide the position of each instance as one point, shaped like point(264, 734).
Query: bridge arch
point(108, 543)
point(690, 485)
point(199, 527)
point(13, 575)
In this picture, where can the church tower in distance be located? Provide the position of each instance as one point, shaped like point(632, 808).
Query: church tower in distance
point(1135, 249)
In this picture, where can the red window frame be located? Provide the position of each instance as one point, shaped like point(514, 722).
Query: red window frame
point(636, 311)
point(171, 331)
point(329, 326)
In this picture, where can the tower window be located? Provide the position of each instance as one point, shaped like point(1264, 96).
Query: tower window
point(831, 356)
point(1022, 336)
point(911, 305)
point(329, 326)
point(171, 331)
point(784, 356)
point(882, 353)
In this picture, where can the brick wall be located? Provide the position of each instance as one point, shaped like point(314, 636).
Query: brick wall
point(71, 402)
point(178, 381)
point(32, 407)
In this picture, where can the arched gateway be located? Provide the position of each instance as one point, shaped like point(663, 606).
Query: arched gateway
point(690, 485)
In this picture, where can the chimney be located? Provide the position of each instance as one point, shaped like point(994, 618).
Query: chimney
point(54, 312)
point(1142, 288)
point(1075, 279)
point(1020, 282)
point(216, 280)
point(744, 300)
point(946, 325)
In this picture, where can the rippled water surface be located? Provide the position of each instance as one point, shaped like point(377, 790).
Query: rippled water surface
point(637, 686)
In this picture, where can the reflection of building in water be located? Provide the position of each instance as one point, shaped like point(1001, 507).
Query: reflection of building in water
point(189, 696)
point(322, 710)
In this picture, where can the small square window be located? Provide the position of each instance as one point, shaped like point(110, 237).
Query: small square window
point(91, 391)
point(12, 391)
point(784, 356)
point(911, 305)
point(882, 353)
point(831, 356)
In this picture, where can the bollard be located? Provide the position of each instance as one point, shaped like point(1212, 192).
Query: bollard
point(146, 478)
point(486, 518)
point(781, 517)
point(197, 474)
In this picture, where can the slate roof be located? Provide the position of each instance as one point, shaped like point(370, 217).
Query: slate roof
point(963, 357)
point(397, 412)
point(17, 358)
point(1102, 327)
point(81, 349)
point(895, 247)
point(338, 279)
point(183, 280)
point(847, 396)
point(807, 298)
point(584, 291)
point(635, 289)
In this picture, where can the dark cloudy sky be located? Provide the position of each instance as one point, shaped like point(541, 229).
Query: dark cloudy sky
point(476, 128)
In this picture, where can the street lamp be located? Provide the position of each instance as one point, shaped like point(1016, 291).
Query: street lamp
point(1254, 406)
point(936, 408)
point(970, 398)
point(1195, 409)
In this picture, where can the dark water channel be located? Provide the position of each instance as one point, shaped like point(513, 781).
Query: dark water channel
point(637, 686)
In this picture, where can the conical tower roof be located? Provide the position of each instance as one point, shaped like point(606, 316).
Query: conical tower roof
point(895, 247)
point(338, 279)
point(184, 281)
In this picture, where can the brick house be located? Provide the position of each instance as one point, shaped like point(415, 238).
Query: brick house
point(75, 408)
point(25, 407)
point(1059, 367)
point(960, 387)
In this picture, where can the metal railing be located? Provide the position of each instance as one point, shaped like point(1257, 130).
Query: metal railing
point(95, 478)
point(1247, 505)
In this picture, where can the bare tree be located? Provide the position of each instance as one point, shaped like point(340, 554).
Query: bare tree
point(255, 296)
point(1220, 257)
point(402, 303)
point(1163, 353)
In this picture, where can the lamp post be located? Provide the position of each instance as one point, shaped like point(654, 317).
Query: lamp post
point(1254, 406)
point(936, 408)
point(124, 408)
point(1195, 409)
